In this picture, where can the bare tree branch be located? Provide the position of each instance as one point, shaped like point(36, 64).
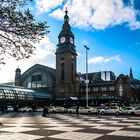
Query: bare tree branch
point(19, 30)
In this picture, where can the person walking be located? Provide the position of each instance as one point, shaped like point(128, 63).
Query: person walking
point(45, 111)
point(77, 110)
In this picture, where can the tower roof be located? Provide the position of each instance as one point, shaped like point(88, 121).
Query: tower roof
point(18, 70)
point(131, 74)
point(66, 28)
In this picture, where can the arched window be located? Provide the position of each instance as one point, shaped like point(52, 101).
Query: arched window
point(38, 80)
point(62, 71)
point(72, 71)
point(62, 68)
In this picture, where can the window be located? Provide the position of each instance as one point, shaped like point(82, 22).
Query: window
point(62, 71)
point(72, 67)
point(111, 88)
point(37, 77)
point(1, 94)
point(103, 88)
point(95, 89)
point(38, 80)
point(9, 94)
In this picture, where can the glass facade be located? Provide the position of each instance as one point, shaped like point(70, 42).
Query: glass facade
point(38, 80)
point(11, 94)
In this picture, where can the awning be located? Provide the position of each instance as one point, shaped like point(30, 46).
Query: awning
point(73, 98)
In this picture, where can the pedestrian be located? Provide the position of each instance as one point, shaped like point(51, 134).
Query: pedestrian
point(77, 110)
point(45, 111)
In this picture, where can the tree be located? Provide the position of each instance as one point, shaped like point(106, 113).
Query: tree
point(19, 30)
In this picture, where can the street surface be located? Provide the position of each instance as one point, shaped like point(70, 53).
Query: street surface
point(32, 126)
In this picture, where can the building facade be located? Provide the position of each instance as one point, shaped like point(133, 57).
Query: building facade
point(66, 67)
point(69, 87)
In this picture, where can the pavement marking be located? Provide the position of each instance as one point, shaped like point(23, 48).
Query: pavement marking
point(91, 124)
point(19, 136)
point(61, 128)
point(53, 124)
point(76, 136)
point(18, 129)
point(95, 119)
point(68, 127)
point(131, 120)
point(125, 124)
point(134, 126)
point(19, 124)
point(125, 133)
point(107, 121)
point(118, 118)
point(108, 128)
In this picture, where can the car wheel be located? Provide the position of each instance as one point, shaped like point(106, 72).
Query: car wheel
point(132, 113)
point(117, 113)
point(70, 112)
point(89, 112)
point(53, 111)
point(102, 112)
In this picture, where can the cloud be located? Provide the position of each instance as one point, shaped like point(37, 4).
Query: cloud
point(44, 55)
point(101, 59)
point(58, 14)
point(45, 47)
point(47, 5)
point(96, 14)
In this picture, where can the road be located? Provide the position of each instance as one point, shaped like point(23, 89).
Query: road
point(32, 126)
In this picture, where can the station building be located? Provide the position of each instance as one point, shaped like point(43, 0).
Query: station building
point(67, 86)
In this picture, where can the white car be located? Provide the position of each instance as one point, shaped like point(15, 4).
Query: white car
point(87, 110)
point(25, 109)
point(137, 111)
point(54, 109)
point(61, 109)
point(133, 110)
point(82, 110)
point(39, 109)
point(128, 110)
point(111, 110)
point(72, 109)
point(100, 109)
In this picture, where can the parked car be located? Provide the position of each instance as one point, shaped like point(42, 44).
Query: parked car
point(54, 109)
point(87, 110)
point(99, 109)
point(128, 110)
point(111, 110)
point(61, 109)
point(25, 109)
point(72, 109)
point(39, 109)
point(82, 110)
point(9, 109)
point(131, 110)
point(137, 111)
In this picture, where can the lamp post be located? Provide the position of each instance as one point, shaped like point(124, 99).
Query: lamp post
point(87, 81)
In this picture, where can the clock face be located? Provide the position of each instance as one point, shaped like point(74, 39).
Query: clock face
point(62, 39)
point(71, 40)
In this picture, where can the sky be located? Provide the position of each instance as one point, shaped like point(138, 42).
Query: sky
point(110, 28)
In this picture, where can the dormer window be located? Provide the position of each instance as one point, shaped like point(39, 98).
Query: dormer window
point(62, 59)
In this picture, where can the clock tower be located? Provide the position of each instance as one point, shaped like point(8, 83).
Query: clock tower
point(66, 62)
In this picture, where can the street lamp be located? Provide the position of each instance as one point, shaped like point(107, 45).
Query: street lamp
point(87, 81)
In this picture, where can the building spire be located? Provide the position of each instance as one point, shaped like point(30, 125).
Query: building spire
point(131, 74)
point(66, 17)
point(66, 11)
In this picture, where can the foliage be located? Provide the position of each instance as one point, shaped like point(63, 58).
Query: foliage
point(19, 30)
